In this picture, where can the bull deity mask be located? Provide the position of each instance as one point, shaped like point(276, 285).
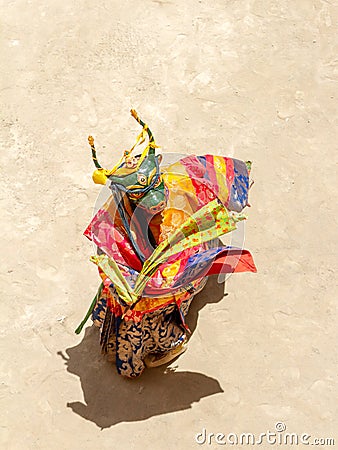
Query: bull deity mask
point(139, 177)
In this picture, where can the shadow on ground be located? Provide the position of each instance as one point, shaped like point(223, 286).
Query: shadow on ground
point(111, 399)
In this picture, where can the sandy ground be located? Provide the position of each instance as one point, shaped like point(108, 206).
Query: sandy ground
point(253, 79)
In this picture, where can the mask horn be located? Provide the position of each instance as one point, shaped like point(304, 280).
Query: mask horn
point(92, 146)
point(145, 127)
point(100, 174)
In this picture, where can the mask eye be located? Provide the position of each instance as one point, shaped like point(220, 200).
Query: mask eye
point(142, 179)
point(135, 196)
point(158, 182)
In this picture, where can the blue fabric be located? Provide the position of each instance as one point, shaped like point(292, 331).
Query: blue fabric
point(240, 186)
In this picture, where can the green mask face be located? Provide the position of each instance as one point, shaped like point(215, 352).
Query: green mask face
point(144, 186)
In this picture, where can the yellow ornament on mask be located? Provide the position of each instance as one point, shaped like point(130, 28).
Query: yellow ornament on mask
point(99, 176)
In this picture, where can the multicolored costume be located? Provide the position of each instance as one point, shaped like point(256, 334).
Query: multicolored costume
point(157, 242)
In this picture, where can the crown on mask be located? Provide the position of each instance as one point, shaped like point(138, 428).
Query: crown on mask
point(128, 163)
